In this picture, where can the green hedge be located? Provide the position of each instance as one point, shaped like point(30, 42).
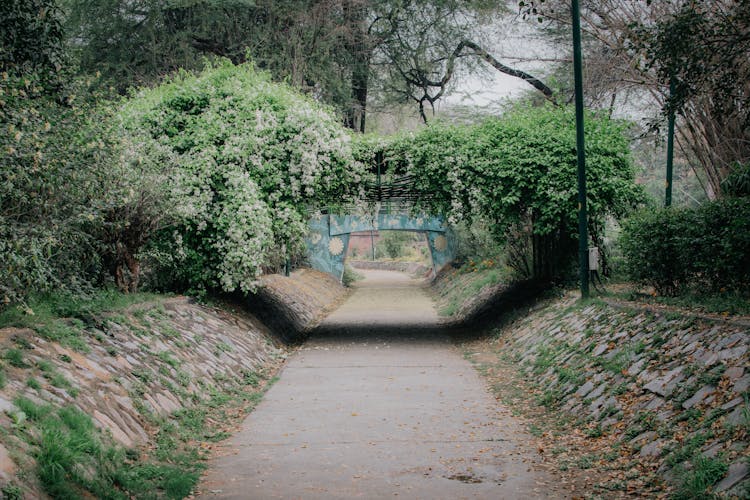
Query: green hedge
point(516, 176)
point(705, 248)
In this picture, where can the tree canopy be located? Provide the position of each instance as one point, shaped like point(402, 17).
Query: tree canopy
point(344, 52)
point(633, 49)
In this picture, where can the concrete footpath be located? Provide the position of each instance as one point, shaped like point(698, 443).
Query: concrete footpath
point(379, 404)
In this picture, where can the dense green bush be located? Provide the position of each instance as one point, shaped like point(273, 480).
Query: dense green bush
point(48, 178)
point(705, 248)
point(76, 200)
point(394, 244)
point(245, 159)
point(516, 176)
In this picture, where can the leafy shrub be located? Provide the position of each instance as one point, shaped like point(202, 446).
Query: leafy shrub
point(246, 158)
point(393, 244)
point(706, 248)
point(350, 276)
point(47, 180)
point(737, 182)
point(516, 173)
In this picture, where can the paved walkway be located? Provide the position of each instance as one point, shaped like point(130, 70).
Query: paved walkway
point(378, 404)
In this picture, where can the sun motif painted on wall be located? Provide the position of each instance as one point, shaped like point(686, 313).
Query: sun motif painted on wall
point(441, 243)
point(336, 246)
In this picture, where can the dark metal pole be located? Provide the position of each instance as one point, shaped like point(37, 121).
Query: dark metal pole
point(670, 149)
point(583, 238)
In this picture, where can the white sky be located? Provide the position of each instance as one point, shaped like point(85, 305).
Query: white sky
point(507, 39)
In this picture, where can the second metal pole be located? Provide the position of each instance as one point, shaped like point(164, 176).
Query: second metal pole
point(670, 149)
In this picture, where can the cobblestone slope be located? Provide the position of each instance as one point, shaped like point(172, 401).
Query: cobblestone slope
point(669, 386)
point(139, 369)
point(292, 306)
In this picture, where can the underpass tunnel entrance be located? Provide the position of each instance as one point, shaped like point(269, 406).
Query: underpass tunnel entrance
point(331, 236)
point(389, 246)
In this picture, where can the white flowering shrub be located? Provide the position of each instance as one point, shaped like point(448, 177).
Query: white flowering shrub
point(247, 159)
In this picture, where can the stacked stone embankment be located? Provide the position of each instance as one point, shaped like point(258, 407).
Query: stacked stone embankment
point(293, 305)
point(132, 368)
point(150, 359)
point(669, 385)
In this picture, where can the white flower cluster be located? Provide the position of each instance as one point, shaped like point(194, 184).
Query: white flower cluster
point(244, 231)
point(247, 158)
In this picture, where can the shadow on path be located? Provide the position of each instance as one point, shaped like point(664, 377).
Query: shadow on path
point(379, 403)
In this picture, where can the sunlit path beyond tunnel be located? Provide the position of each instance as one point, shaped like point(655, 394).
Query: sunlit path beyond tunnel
point(379, 404)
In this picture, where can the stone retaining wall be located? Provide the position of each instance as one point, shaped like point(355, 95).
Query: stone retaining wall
point(292, 306)
point(668, 384)
point(142, 364)
point(150, 359)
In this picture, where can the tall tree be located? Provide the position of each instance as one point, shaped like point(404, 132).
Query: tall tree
point(31, 37)
point(338, 50)
point(635, 47)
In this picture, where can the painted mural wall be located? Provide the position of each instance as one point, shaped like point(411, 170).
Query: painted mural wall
point(328, 239)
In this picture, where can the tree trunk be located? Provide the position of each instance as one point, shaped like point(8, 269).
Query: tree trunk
point(360, 53)
point(127, 271)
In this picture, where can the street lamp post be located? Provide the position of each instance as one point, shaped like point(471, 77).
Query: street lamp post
point(583, 260)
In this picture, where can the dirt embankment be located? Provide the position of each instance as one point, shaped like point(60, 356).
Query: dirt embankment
point(477, 299)
point(645, 401)
point(157, 380)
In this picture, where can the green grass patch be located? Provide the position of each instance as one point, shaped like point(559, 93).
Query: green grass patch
point(169, 331)
point(251, 378)
point(467, 284)
point(222, 347)
point(74, 460)
point(722, 303)
point(15, 358)
point(688, 449)
point(550, 398)
point(11, 491)
point(45, 366)
point(144, 375)
point(59, 380)
point(64, 333)
point(594, 432)
point(44, 309)
point(569, 375)
point(167, 358)
point(535, 430)
point(694, 482)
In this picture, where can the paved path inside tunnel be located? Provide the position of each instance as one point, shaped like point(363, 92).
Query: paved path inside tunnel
point(379, 404)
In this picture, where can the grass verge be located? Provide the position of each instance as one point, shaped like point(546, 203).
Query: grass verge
point(76, 460)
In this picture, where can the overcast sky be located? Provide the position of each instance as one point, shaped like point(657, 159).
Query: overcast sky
point(508, 39)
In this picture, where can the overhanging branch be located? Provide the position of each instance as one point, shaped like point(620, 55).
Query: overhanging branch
point(530, 79)
point(475, 50)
